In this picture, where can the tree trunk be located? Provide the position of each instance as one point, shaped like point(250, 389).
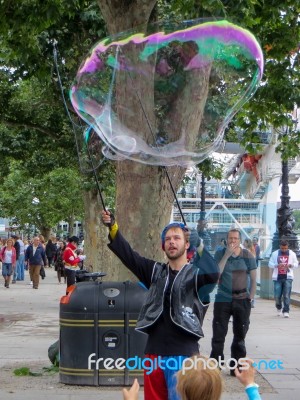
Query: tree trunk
point(144, 197)
point(99, 257)
point(121, 15)
point(71, 221)
point(144, 204)
point(45, 232)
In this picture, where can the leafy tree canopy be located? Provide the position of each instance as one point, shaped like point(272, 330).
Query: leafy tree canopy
point(34, 127)
point(296, 214)
point(38, 199)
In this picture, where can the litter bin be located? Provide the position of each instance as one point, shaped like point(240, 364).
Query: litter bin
point(97, 333)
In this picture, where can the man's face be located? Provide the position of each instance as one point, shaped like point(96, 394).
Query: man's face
point(36, 241)
point(175, 244)
point(254, 241)
point(233, 239)
point(284, 248)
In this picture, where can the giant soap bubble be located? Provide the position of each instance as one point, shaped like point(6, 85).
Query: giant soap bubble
point(166, 96)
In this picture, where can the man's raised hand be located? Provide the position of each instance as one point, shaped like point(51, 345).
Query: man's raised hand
point(108, 218)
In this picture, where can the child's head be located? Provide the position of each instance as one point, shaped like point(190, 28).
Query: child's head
point(200, 380)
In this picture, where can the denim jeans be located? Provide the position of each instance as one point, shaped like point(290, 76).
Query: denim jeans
point(20, 268)
point(282, 292)
point(6, 269)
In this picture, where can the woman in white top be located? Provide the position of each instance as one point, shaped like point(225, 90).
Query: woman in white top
point(8, 258)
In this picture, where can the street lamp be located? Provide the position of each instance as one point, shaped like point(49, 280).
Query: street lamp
point(285, 220)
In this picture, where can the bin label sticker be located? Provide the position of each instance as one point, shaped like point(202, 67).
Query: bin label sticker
point(111, 292)
point(111, 340)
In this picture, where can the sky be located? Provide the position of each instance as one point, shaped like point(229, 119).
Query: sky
point(294, 191)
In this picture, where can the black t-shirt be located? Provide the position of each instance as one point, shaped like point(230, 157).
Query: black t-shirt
point(164, 336)
point(282, 261)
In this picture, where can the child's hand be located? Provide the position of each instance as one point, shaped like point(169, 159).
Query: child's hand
point(246, 376)
point(133, 392)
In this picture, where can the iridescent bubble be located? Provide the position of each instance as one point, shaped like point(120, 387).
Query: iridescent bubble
point(166, 96)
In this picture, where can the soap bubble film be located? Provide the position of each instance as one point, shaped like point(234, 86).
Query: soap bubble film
point(166, 96)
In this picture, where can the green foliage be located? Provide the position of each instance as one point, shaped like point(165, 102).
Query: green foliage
point(211, 169)
point(43, 200)
point(34, 127)
point(27, 40)
point(25, 371)
point(54, 369)
point(296, 214)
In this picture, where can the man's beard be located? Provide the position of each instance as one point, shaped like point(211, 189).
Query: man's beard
point(177, 255)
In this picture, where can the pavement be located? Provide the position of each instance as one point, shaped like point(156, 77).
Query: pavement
point(29, 324)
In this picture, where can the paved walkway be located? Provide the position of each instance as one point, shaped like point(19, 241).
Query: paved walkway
point(29, 324)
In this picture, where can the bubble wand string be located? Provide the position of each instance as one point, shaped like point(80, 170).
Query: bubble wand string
point(74, 126)
point(95, 176)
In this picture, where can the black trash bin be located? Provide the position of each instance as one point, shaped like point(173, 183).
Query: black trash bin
point(97, 333)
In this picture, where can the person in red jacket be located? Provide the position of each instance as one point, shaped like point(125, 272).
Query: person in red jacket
point(71, 260)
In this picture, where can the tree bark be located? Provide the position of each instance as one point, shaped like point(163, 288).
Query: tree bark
point(99, 257)
point(45, 231)
point(122, 15)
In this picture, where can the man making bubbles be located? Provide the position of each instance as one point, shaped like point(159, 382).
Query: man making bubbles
point(173, 312)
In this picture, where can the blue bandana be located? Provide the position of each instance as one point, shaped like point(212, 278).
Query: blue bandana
point(172, 225)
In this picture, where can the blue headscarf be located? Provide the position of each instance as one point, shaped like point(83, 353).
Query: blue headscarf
point(172, 225)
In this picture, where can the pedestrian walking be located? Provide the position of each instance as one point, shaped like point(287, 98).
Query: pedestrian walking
point(283, 262)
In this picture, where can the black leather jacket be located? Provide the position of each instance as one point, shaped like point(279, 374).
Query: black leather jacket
point(187, 310)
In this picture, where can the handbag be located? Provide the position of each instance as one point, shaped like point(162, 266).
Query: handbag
point(42, 272)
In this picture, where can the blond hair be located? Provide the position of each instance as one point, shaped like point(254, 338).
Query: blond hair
point(203, 381)
point(248, 244)
point(42, 239)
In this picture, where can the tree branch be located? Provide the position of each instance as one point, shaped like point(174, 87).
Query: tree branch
point(26, 125)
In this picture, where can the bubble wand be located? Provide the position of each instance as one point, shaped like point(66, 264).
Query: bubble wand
point(75, 126)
